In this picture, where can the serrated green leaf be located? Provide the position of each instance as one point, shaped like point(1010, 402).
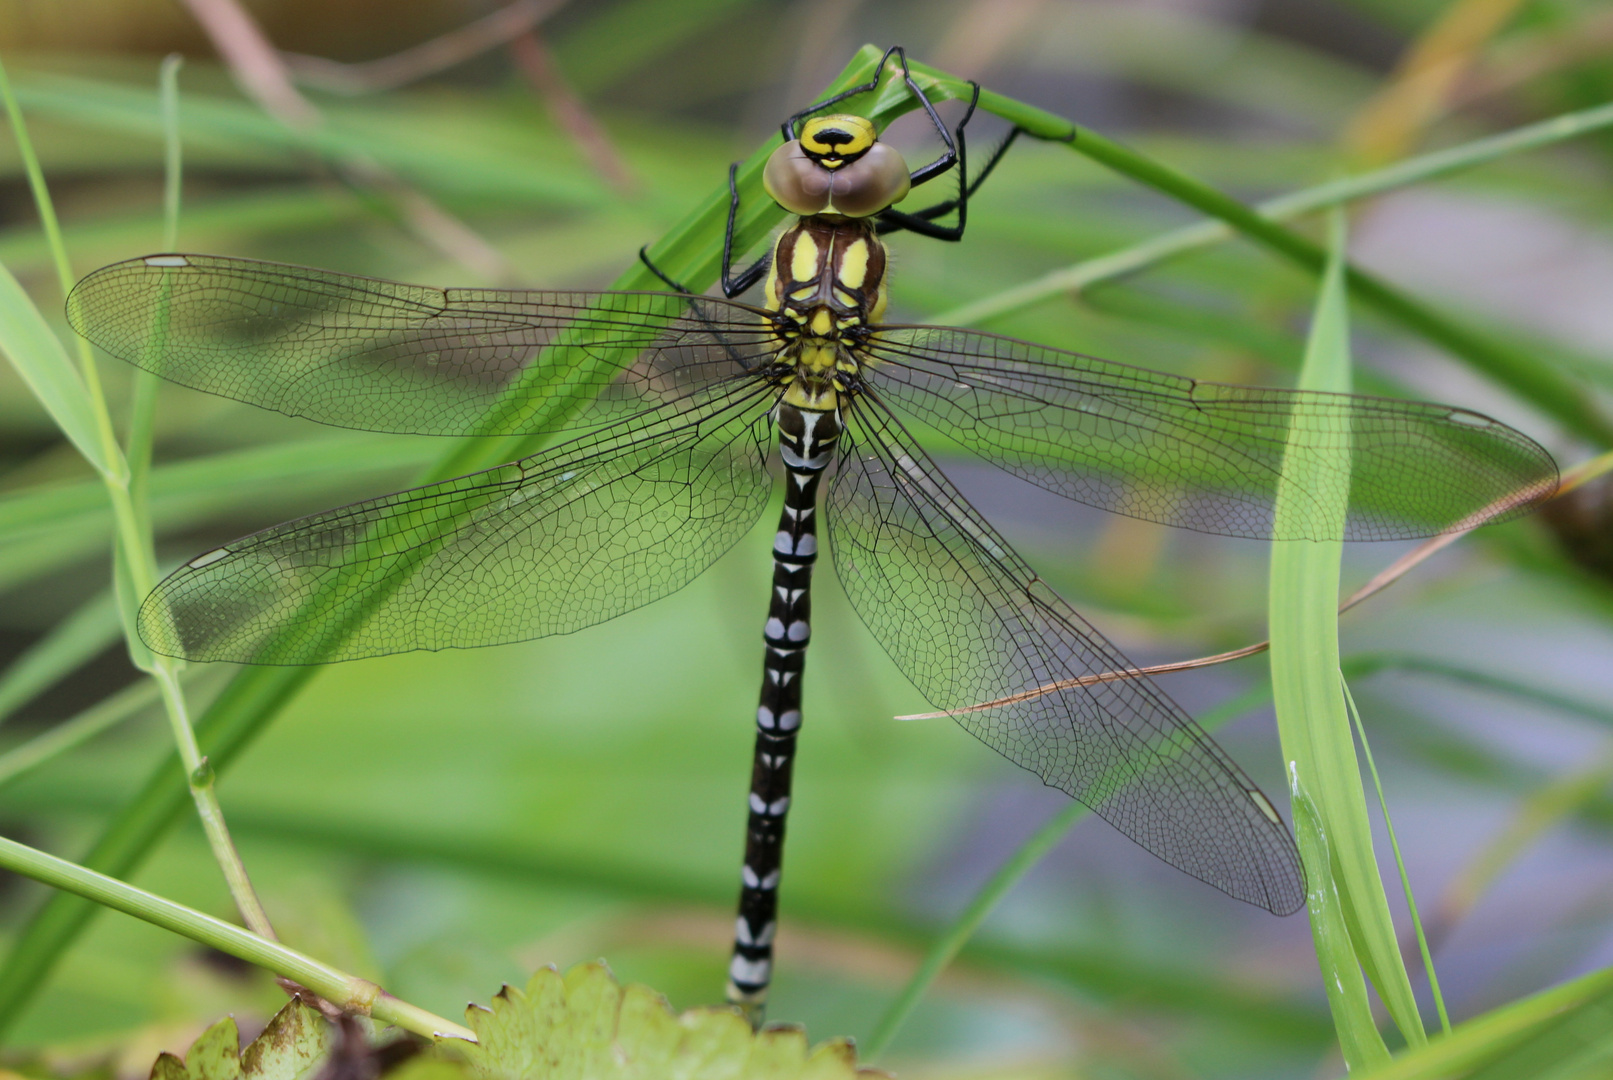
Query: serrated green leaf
point(292, 1047)
point(585, 1025)
point(168, 1067)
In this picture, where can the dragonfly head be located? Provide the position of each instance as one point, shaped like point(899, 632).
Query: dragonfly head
point(837, 166)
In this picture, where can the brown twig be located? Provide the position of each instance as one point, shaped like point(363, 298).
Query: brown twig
point(1382, 580)
point(532, 56)
point(262, 75)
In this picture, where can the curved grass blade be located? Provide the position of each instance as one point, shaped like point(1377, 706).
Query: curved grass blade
point(1311, 718)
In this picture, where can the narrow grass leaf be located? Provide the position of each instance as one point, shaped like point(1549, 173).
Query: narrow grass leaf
point(1550, 1016)
point(78, 729)
point(39, 358)
point(1400, 862)
point(1346, 989)
point(68, 645)
point(1311, 719)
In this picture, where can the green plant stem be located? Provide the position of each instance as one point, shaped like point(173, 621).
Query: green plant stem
point(350, 992)
point(1295, 204)
point(947, 947)
point(135, 562)
point(1518, 370)
point(240, 713)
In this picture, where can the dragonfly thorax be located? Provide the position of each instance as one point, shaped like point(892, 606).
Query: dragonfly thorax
point(827, 289)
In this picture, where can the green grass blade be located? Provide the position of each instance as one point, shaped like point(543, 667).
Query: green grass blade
point(1190, 238)
point(1488, 1039)
point(78, 729)
point(1346, 989)
point(1400, 862)
point(1514, 368)
point(69, 645)
point(39, 358)
point(1311, 719)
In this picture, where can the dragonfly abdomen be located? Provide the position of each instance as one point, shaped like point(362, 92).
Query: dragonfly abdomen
point(807, 439)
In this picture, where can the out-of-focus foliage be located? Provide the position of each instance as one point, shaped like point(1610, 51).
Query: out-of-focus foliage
point(445, 823)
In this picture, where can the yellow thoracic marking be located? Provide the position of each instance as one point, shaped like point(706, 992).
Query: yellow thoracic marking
point(822, 322)
point(804, 260)
point(877, 311)
point(854, 264)
point(816, 361)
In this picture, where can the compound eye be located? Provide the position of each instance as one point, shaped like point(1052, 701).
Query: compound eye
point(868, 185)
point(796, 181)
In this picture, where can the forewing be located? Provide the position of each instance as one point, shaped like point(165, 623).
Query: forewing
point(545, 545)
point(969, 622)
point(1207, 456)
point(360, 353)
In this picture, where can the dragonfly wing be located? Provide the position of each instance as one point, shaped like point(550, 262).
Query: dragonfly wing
point(1207, 456)
point(381, 356)
point(970, 623)
point(546, 545)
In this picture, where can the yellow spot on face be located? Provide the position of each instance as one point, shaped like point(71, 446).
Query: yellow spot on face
point(854, 264)
point(841, 136)
point(822, 322)
point(804, 260)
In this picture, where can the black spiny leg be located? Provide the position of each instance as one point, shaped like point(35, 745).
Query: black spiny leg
point(733, 285)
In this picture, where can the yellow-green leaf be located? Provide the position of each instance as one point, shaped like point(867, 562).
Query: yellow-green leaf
point(292, 1047)
point(585, 1025)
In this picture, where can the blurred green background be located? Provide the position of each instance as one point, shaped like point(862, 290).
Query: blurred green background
point(447, 822)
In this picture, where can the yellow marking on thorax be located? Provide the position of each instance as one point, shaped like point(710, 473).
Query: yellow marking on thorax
point(877, 311)
point(804, 260)
point(822, 322)
point(774, 300)
point(854, 264)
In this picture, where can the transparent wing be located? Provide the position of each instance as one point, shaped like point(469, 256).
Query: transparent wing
point(969, 622)
point(360, 353)
point(545, 545)
point(1206, 456)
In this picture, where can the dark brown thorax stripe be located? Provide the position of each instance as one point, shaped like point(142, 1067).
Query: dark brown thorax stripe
point(826, 263)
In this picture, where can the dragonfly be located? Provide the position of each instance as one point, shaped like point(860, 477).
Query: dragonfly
point(672, 406)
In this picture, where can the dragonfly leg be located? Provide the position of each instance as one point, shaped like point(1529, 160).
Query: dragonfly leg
point(733, 285)
point(644, 257)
